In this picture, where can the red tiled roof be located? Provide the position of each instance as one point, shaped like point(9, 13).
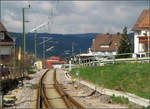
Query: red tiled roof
point(50, 63)
point(56, 62)
point(54, 58)
point(113, 40)
point(143, 20)
point(2, 28)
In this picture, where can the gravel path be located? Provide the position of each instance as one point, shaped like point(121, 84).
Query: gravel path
point(24, 94)
point(86, 96)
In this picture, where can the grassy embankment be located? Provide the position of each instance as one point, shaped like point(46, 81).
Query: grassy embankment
point(127, 77)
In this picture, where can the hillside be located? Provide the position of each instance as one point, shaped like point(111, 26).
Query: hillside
point(61, 44)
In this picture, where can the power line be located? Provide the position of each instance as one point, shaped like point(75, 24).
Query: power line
point(52, 14)
point(49, 38)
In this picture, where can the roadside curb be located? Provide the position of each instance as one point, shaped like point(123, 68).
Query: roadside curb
point(133, 98)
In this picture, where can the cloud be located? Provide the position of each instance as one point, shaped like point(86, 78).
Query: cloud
point(14, 25)
point(73, 16)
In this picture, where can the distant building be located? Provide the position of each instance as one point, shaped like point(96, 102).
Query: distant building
point(54, 62)
point(105, 44)
point(38, 64)
point(6, 45)
point(141, 33)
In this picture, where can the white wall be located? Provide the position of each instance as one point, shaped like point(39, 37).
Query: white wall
point(138, 46)
point(136, 42)
point(5, 50)
point(52, 60)
point(57, 65)
point(106, 53)
point(38, 65)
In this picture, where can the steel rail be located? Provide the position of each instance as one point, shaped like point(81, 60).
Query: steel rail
point(41, 95)
point(70, 102)
point(42, 98)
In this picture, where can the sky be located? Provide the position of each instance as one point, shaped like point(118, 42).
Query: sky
point(72, 17)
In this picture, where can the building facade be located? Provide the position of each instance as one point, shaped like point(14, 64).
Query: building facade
point(6, 45)
point(54, 62)
point(105, 44)
point(142, 34)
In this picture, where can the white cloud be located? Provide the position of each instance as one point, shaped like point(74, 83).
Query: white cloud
point(12, 25)
point(73, 16)
point(83, 6)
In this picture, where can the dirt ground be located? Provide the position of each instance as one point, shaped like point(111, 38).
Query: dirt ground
point(24, 93)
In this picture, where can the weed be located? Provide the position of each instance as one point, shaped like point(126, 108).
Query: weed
point(120, 99)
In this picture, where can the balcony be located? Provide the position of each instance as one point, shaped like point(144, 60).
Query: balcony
point(144, 39)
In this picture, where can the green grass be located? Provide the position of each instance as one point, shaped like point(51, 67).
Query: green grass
point(31, 71)
point(127, 77)
point(120, 100)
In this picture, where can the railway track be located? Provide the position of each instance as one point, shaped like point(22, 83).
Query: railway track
point(51, 94)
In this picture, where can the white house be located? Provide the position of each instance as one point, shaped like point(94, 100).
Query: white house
point(142, 34)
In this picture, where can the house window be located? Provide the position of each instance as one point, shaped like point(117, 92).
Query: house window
point(145, 33)
point(104, 46)
point(2, 36)
point(137, 55)
point(138, 32)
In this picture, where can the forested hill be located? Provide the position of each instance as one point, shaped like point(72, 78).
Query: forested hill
point(60, 44)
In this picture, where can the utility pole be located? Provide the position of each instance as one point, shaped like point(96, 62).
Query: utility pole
point(0, 11)
point(14, 39)
point(1, 93)
point(72, 48)
point(35, 36)
point(94, 51)
point(24, 39)
point(73, 52)
point(24, 36)
point(35, 44)
point(44, 50)
point(80, 51)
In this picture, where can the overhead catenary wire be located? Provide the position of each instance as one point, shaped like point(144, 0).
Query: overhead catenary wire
point(45, 40)
point(52, 14)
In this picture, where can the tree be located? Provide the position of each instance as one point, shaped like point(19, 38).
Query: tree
point(124, 44)
point(132, 45)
